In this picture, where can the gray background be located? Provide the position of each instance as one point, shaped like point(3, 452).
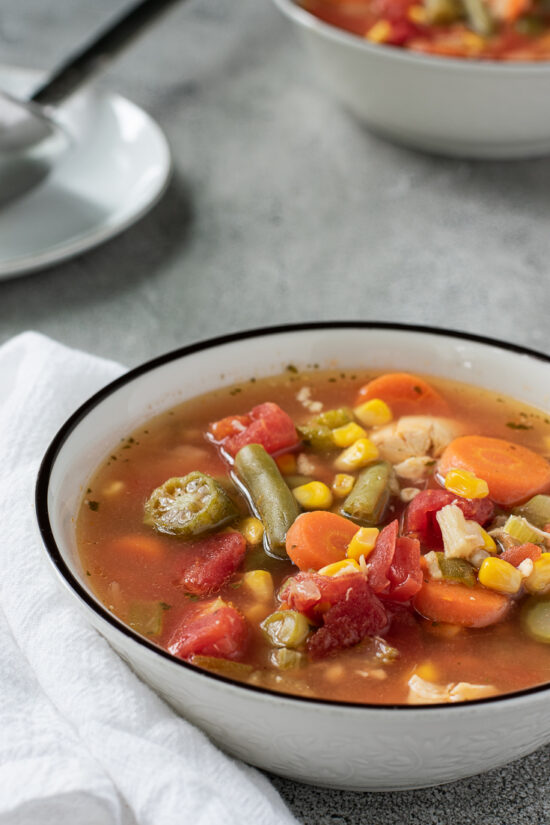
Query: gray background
point(283, 208)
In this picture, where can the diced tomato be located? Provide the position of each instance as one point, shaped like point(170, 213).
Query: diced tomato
point(401, 31)
point(405, 573)
point(267, 424)
point(392, 10)
point(380, 560)
point(420, 517)
point(357, 614)
point(217, 631)
point(515, 555)
point(216, 559)
point(313, 594)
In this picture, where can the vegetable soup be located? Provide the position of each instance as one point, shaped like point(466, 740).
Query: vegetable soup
point(341, 535)
point(483, 29)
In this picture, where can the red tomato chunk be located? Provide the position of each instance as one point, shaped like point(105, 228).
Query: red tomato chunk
point(220, 631)
point(515, 555)
point(217, 558)
point(420, 515)
point(267, 424)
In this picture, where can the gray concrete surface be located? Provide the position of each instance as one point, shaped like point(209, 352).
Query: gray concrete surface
point(284, 208)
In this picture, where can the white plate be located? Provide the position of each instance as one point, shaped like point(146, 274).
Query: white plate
point(117, 168)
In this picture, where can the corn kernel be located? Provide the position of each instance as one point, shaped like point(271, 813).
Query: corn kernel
point(286, 464)
point(373, 413)
point(489, 543)
point(260, 583)
point(466, 484)
point(358, 455)
point(539, 580)
point(362, 543)
point(337, 568)
point(427, 671)
point(499, 575)
point(257, 612)
point(313, 496)
point(473, 42)
point(252, 529)
point(348, 434)
point(380, 32)
point(417, 14)
point(342, 485)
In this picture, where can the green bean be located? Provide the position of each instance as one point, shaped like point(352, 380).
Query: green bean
point(270, 496)
point(286, 628)
point(370, 495)
point(189, 506)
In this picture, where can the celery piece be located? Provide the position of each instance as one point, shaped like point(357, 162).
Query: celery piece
point(536, 511)
point(285, 628)
point(146, 617)
point(524, 531)
point(535, 619)
point(225, 667)
point(457, 570)
point(370, 495)
point(479, 17)
point(317, 433)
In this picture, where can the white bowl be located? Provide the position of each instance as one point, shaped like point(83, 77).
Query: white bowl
point(460, 107)
point(323, 742)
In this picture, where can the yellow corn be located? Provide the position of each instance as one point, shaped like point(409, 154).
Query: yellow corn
point(358, 455)
point(417, 14)
point(499, 575)
point(427, 671)
point(252, 529)
point(362, 543)
point(260, 583)
point(286, 464)
point(313, 496)
point(338, 567)
point(466, 484)
point(473, 42)
point(380, 32)
point(348, 434)
point(373, 413)
point(489, 543)
point(342, 485)
point(539, 580)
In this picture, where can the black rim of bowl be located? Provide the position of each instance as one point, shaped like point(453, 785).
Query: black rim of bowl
point(47, 464)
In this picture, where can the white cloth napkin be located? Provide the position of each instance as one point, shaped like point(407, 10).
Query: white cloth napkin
point(82, 740)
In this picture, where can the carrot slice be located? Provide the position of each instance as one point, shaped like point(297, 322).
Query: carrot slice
point(136, 545)
point(458, 604)
point(406, 394)
point(319, 538)
point(513, 473)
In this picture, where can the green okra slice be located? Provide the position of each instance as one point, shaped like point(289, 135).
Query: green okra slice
point(370, 495)
point(269, 495)
point(189, 506)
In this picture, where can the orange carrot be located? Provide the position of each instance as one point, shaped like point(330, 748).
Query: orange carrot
point(457, 604)
point(405, 394)
point(149, 548)
point(512, 472)
point(319, 538)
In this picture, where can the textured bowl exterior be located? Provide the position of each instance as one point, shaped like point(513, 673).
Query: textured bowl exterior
point(464, 108)
point(340, 745)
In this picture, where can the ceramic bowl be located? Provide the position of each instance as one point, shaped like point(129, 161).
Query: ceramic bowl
point(322, 742)
point(459, 107)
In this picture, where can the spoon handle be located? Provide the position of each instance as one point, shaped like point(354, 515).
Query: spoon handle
point(92, 57)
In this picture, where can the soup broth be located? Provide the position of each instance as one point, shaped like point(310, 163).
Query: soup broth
point(206, 595)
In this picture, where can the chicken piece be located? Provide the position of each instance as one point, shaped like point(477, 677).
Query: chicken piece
point(461, 538)
point(422, 692)
point(463, 691)
point(415, 469)
point(414, 436)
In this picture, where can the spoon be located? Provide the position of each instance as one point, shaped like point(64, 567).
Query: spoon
point(32, 141)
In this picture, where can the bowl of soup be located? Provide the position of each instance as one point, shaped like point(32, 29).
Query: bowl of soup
point(441, 76)
point(327, 545)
